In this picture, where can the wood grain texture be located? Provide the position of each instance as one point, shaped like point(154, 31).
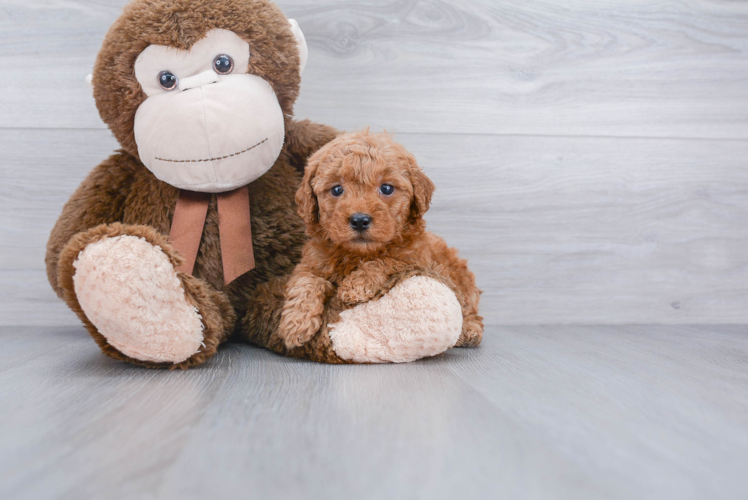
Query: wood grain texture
point(536, 412)
point(590, 163)
point(557, 230)
point(581, 67)
point(39, 171)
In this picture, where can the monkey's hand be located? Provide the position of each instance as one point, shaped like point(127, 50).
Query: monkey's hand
point(368, 280)
point(302, 312)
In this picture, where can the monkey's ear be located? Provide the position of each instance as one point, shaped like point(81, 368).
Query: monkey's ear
point(306, 200)
point(423, 189)
point(301, 42)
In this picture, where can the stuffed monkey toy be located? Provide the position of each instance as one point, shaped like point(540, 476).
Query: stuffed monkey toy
point(185, 237)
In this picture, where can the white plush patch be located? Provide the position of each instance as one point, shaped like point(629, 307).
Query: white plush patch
point(212, 132)
point(301, 43)
point(130, 292)
point(419, 317)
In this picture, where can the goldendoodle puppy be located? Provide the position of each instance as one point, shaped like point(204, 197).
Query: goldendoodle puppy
point(363, 198)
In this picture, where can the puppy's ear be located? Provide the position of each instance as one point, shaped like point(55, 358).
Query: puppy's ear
point(306, 200)
point(423, 189)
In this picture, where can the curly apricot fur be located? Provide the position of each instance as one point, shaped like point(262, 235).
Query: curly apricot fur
point(358, 265)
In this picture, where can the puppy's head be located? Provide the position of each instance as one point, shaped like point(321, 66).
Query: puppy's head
point(363, 191)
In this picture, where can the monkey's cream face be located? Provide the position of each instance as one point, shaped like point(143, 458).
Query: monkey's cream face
point(207, 125)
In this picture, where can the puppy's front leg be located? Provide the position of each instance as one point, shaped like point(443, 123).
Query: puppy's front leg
point(472, 331)
point(368, 280)
point(301, 318)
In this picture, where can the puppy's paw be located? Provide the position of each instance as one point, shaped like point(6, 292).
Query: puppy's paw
point(472, 333)
point(356, 292)
point(361, 285)
point(297, 329)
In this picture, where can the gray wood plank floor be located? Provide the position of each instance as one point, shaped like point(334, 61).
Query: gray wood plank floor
point(645, 412)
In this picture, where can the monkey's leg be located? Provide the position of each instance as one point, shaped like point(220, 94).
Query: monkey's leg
point(416, 315)
point(122, 282)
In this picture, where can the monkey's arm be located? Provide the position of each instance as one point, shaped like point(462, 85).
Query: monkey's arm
point(98, 200)
point(367, 281)
point(304, 138)
point(306, 294)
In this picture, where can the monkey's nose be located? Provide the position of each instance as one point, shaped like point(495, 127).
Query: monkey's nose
point(198, 80)
point(360, 222)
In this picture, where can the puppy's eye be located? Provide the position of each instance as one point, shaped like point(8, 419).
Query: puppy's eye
point(336, 191)
point(167, 80)
point(223, 64)
point(387, 189)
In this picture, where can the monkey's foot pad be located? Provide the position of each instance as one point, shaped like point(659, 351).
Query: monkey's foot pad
point(419, 317)
point(131, 293)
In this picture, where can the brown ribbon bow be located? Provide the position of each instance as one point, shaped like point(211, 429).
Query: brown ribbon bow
point(234, 229)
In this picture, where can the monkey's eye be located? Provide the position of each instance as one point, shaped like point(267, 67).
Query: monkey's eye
point(387, 189)
point(167, 80)
point(336, 190)
point(223, 64)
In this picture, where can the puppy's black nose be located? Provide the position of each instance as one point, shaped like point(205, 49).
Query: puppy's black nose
point(360, 222)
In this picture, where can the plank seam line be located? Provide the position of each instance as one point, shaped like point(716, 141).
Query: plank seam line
point(481, 134)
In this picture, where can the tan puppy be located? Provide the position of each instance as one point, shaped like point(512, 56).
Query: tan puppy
point(363, 198)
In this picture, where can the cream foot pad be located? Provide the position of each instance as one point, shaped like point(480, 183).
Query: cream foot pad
point(419, 317)
point(131, 293)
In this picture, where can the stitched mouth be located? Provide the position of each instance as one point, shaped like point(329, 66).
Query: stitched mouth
point(216, 158)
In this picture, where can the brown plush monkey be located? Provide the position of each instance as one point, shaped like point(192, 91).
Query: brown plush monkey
point(183, 237)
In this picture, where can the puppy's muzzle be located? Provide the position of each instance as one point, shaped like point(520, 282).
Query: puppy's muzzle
point(360, 222)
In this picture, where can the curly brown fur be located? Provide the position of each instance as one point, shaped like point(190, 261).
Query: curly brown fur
point(122, 190)
point(305, 303)
point(263, 317)
point(358, 264)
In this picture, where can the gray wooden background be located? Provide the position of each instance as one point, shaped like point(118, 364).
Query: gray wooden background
point(589, 156)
